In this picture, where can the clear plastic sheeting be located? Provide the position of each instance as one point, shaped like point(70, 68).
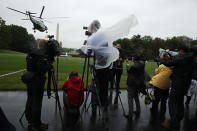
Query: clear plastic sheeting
point(101, 42)
point(105, 56)
point(163, 51)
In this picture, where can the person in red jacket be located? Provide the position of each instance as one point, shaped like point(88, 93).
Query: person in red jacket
point(73, 97)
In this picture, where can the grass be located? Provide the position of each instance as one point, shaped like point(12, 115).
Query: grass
point(11, 61)
point(14, 61)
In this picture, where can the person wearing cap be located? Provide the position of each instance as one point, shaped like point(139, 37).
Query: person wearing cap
point(181, 77)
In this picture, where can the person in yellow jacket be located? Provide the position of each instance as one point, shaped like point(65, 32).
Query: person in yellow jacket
point(161, 83)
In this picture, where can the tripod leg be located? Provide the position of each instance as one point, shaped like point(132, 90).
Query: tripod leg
point(87, 80)
point(117, 92)
point(88, 107)
point(57, 70)
point(86, 99)
point(22, 116)
point(57, 96)
point(99, 100)
point(84, 68)
point(56, 92)
point(84, 65)
point(122, 105)
point(87, 72)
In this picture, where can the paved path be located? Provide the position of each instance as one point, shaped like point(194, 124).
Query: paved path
point(13, 104)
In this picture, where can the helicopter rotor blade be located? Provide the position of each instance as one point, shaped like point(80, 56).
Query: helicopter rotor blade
point(42, 11)
point(25, 19)
point(57, 18)
point(17, 11)
point(47, 21)
point(25, 13)
point(32, 13)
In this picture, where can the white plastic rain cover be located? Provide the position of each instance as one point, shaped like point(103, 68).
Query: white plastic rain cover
point(101, 41)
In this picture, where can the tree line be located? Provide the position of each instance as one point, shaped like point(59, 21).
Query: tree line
point(148, 47)
point(13, 37)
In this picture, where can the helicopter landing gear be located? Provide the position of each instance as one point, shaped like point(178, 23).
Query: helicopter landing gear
point(34, 30)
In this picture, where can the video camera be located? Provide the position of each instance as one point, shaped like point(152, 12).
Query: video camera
point(87, 33)
point(93, 27)
point(164, 52)
point(53, 49)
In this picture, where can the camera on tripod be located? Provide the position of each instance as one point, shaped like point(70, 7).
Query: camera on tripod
point(53, 49)
point(92, 28)
point(87, 32)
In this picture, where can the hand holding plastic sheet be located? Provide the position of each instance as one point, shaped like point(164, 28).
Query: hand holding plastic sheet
point(101, 42)
point(89, 52)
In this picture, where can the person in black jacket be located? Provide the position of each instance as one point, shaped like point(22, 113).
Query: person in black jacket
point(181, 77)
point(193, 86)
point(117, 70)
point(34, 78)
point(135, 82)
point(5, 124)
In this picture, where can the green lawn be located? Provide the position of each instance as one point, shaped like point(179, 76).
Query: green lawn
point(13, 61)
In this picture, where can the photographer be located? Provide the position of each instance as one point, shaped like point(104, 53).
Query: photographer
point(136, 84)
point(161, 83)
point(34, 78)
point(193, 86)
point(100, 42)
point(116, 70)
point(102, 73)
point(181, 77)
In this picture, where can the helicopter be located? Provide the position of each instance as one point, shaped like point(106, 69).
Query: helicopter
point(38, 23)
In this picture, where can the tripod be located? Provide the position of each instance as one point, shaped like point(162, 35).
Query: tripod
point(51, 75)
point(116, 99)
point(87, 76)
point(92, 88)
point(94, 85)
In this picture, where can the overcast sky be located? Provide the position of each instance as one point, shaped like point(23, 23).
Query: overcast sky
point(157, 18)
